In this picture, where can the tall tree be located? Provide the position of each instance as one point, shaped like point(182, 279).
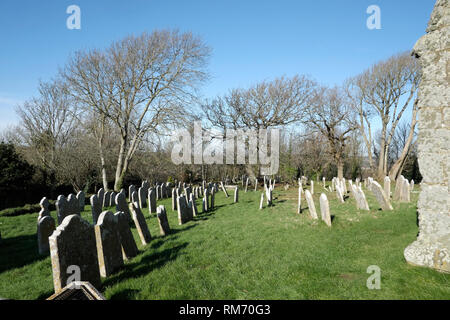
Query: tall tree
point(140, 83)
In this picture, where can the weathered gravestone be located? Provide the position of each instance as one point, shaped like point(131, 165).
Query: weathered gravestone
point(131, 189)
point(236, 194)
point(73, 250)
point(339, 193)
point(193, 206)
point(432, 247)
point(312, 187)
point(164, 227)
point(151, 201)
point(139, 222)
point(134, 197)
point(311, 206)
point(246, 184)
point(129, 247)
point(381, 197)
point(122, 205)
point(360, 197)
point(325, 209)
point(213, 197)
point(106, 199)
point(44, 208)
point(109, 249)
point(405, 191)
point(224, 189)
point(112, 199)
point(81, 199)
point(45, 228)
point(96, 208)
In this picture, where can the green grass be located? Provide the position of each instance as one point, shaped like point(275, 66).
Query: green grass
point(240, 252)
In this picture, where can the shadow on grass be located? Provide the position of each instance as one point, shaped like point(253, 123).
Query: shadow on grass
point(147, 264)
point(16, 252)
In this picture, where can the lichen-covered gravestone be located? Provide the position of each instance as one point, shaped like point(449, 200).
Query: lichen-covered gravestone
point(45, 228)
point(139, 222)
point(73, 246)
point(109, 249)
point(129, 247)
point(164, 227)
point(432, 247)
point(61, 208)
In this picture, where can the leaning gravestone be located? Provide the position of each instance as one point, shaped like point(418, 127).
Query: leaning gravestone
point(72, 246)
point(224, 189)
point(96, 208)
point(129, 247)
point(164, 227)
point(325, 209)
point(44, 208)
point(339, 193)
point(382, 199)
point(139, 222)
point(45, 228)
point(261, 202)
point(311, 206)
point(432, 247)
point(109, 249)
point(81, 199)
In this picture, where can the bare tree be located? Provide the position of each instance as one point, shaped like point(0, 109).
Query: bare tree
point(48, 122)
point(386, 89)
point(331, 115)
point(140, 83)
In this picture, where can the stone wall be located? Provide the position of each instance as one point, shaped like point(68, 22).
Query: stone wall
point(432, 247)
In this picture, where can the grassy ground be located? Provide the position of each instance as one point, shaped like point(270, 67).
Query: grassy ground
point(240, 252)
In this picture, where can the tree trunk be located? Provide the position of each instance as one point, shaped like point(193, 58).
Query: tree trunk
point(119, 169)
point(340, 167)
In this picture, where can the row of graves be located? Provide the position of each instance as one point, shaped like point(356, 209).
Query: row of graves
point(108, 241)
point(346, 188)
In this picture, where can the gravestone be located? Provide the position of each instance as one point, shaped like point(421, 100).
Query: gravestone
point(256, 184)
point(134, 197)
point(299, 204)
point(131, 189)
point(432, 247)
point(381, 197)
point(81, 200)
point(311, 206)
point(174, 199)
point(312, 187)
point(96, 208)
point(129, 247)
point(387, 186)
point(73, 244)
point(261, 202)
point(246, 184)
point(193, 206)
point(101, 196)
point(224, 189)
point(151, 201)
point(411, 184)
point(61, 208)
point(141, 196)
point(44, 208)
point(323, 181)
point(183, 210)
point(325, 209)
point(398, 188)
point(140, 223)
point(405, 191)
point(112, 199)
point(106, 199)
point(122, 205)
point(109, 249)
point(164, 227)
point(45, 228)
point(236, 194)
point(339, 193)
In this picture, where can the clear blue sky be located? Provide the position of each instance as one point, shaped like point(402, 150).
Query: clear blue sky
point(251, 40)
